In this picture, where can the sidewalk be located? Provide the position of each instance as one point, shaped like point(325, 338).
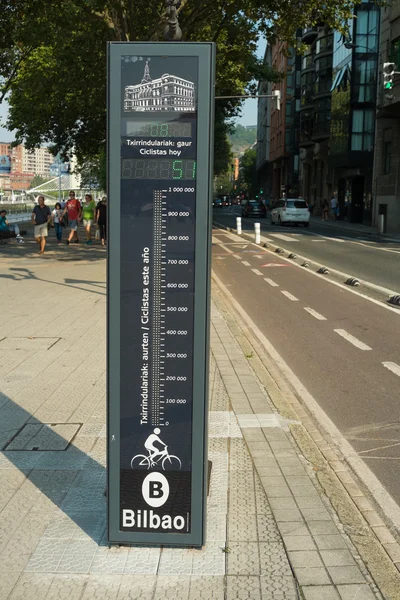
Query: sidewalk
point(353, 227)
point(272, 531)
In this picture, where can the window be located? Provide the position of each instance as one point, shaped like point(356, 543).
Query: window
point(387, 151)
point(395, 52)
point(364, 80)
point(362, 130)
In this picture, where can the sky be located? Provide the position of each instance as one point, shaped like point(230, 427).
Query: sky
point(248, 116)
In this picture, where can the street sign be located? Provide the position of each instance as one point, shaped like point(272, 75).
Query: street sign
point(160, 122)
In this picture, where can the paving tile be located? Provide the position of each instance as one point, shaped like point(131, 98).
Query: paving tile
point(32, 585)
point(243, 559)
point(210, 560)
point(288, 515)
point(278, 587)
point(242, 527)
point(345, 575)
point(327, 592)
point(330, 542)
point(322, 528)
point(337, 558)
point(142, 561)
point(78, 557)
point(298, 542)
point(305, 558)
point(355, 592)
point(293, 528)
point(67, 587)
point(47, 556)
point(243, 587)
point(134, 588)
point(312, 576)
point(103, 587)
point(286, 503)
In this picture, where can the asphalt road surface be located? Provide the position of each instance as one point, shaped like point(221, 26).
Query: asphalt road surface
point(343, 348)
point(370, 258)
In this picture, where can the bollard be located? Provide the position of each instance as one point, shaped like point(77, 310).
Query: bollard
point(257, 232)
point(239, 225)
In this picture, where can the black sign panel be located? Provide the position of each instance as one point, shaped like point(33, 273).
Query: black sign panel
point(157, 269)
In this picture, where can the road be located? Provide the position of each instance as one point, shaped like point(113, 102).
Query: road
point(370, 258)
point(344, 348)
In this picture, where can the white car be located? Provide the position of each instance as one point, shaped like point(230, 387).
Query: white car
point(290, 210)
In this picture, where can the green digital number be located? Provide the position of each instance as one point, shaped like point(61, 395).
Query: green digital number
point(177, 172)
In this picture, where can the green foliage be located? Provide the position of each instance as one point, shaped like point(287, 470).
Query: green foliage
point(223, 184)
point(242, 138)
point(38, 180)
point(248, 173)
point(53, 58)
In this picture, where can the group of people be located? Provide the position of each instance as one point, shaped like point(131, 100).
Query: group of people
point(334, 207)
point(69, 215)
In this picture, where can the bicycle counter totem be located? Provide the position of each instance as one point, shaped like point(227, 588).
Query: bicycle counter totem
point(160, 121)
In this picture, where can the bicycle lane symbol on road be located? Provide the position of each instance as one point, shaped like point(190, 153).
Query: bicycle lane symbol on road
point(155, 456)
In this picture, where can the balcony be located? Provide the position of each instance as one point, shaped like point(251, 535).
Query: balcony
point(309, 34)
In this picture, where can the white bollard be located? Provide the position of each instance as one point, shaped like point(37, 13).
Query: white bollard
point(239, 225)
point(257, 231)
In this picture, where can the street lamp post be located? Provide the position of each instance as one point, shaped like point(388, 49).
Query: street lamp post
point(172, 32)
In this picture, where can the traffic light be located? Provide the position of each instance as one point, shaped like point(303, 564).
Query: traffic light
point(388, 72)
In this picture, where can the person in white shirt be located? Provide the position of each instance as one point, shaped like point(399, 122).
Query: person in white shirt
point(334, 207)
point(57, 221)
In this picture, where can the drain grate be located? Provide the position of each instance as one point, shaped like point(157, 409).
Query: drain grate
point(44, 436)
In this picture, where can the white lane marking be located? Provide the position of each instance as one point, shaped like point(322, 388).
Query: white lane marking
point(314, 313)
point(237, 256)
point(327, 238)
point(271, 282)
point(245, 263)
point(353, 340)
point(215, 240)
point(320, 241)
point(392, 367)
point(290, 296)
point(285, 238)
point(379, 288)
point(258, 256)
point(256, 271)
point(388, 505)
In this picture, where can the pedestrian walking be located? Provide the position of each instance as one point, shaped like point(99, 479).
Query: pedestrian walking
point(88, 213)
point(101, 219)
point(57, 221)
point(74, 211)
point(334, 207)
point(41, 217)
point(325, 210)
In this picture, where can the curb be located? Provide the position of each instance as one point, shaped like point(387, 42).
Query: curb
point(344, 276)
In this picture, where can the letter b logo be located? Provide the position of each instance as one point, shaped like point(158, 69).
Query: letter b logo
point(155, 489)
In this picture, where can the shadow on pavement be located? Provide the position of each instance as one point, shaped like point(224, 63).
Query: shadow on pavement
point(72, 480)
point(22, 274)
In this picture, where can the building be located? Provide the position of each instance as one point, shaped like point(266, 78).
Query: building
point(37, 161)
point(315, 114)
point(283, 131)
point(386, 184)
point(263, 162)
point(167, 93)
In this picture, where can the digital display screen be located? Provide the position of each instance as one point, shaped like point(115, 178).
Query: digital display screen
point(158, 168)
point(173, 129)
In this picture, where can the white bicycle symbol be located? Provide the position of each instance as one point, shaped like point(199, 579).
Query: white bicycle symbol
point(169, 462)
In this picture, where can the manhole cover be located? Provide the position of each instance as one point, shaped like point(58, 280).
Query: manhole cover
point(28, 343)
point(44, 436)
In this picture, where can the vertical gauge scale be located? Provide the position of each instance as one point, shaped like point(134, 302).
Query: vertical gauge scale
point(158, 317)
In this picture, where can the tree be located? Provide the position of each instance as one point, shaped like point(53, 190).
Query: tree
point(249, 171)
point(38, 180)
point(53, 58)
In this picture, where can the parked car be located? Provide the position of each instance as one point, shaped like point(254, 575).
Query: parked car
point(254, 208)
point(217, 203)
point(290, 210)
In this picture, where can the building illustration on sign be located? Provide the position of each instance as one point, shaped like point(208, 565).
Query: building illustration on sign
point(168, 93)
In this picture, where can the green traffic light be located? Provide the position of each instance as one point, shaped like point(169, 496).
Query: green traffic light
point(388, 85)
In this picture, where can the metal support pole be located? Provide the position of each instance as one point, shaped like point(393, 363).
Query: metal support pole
point(59, 180)
point(257, 232)
point(239, 225)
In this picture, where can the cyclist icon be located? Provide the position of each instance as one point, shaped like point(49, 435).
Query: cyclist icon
point(168, 461)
